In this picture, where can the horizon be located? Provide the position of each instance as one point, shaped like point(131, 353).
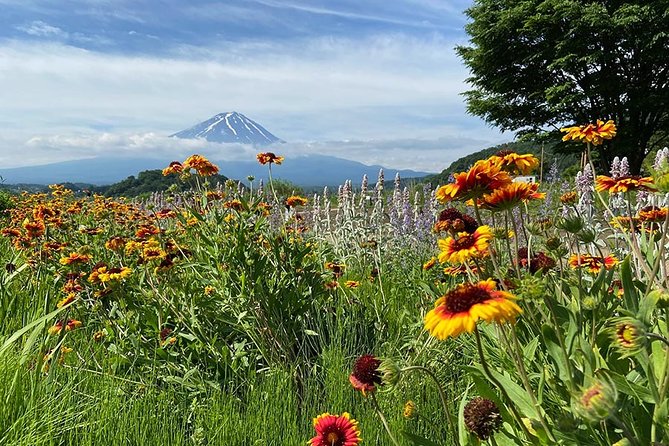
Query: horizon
point(374, 83)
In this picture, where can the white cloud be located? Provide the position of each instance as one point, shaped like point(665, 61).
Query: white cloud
point(389, 87)
point(39, 28)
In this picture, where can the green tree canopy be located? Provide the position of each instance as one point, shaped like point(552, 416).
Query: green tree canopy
point(538, 65)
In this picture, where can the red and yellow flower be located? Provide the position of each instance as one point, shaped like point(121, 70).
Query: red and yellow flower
point(466, 246)
point(593, 263)
point(511, 195)
point(269, 157)
point(624, 184)
point(295, 200)
point(482, 178)
point(515, 163)
point(174, 167)
point(201, 165)
point(594, 134)
point(335, 430)
point(459, 309)
point(366, 374)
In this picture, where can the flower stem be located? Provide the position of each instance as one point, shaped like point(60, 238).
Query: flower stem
point(495, 381)
point(375, 403)
point(442, 394)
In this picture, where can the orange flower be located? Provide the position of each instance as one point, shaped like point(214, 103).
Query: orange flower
point(115, 243)
point(75, 257)
point(429, 264)
point(510, 195)
point(34, 228)
point(352, 284)
point(174, 167)
point(624, 184)
point(295, 200)
point(594, 134)
point(201, 165)
point(482, 178)
point(466, 246)
point(515, 163)
point(653, 214)
point(459, 309)
point(58, 326)
point(593, 263)
point(269, 157)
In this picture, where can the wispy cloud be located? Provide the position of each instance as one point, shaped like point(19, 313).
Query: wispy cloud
point(41, 29)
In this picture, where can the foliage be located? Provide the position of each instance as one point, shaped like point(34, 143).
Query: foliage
point(538, 63)
point(149, 181)
point(550, 156)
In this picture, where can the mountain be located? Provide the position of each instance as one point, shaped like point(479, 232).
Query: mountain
point(230, 127)
point(306, 170)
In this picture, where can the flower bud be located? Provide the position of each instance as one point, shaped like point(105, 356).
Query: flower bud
point(629, 335)
point(572, 224)
point(390, 372)
point(597, 402)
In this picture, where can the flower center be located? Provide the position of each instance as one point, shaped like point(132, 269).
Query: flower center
point(463, 242)
point(332, 438)
point(462, 299)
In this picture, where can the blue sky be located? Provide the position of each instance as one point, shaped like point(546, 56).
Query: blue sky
point(376, 81)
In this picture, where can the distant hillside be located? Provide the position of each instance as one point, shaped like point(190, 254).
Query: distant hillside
point(564, 161)
point(150, 181)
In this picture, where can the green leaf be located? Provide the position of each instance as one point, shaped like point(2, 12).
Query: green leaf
point(462, 429)
point(630, 294)
point(641, 393)
point(553, 348)
point(418, 440)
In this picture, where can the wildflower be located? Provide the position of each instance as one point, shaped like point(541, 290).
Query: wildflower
point(336, 268)
point(295, 200)
point(69, 326)
point(335, 430)
point(457, 270)
point(366, 375)
point(115, 243)
point(201, 165)
point(459, 309)
point(593, 263)
point(233, 204)
point(409, 410)
point(429, 264)
point(653, 214)
point(594, 134)
point(597, 402)
point(331, 285)
point(209, 290)
point(482, 178)
point(482, 417)
point(34, 228)
point(624, 184)
point(174, 167)
point(269, 157)
point(74, 258)
point(98, 336)
point(510, 195)
point(390, 372)
point(569, 197)
point(452, 220)
point(67, 300)
point(466, 246)
point(538, 262)
point(511, 161)
point(352, 284)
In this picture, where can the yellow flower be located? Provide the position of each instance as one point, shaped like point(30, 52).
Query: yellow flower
point(482, 178)
point(594, 134)
point(459, 309)
point(466, 246)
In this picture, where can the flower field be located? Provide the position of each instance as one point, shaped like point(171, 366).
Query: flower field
point(483, 311)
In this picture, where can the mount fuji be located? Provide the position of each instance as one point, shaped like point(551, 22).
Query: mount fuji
point(230, 127)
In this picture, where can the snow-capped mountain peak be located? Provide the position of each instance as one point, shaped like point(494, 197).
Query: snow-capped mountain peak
point(230, 127)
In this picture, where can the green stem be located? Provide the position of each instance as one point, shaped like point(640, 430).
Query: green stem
point(375, 403)
point(442, 394)
point(499, 386)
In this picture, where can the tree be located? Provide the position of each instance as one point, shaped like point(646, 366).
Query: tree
point(538, 65)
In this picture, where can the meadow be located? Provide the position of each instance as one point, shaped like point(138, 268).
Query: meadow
point(482, 311)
